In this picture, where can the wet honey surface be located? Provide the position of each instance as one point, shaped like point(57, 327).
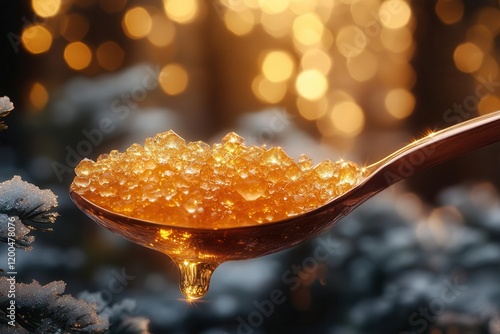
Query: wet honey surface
point(230, 184)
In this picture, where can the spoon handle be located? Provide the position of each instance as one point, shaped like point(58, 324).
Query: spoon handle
point(435, 148)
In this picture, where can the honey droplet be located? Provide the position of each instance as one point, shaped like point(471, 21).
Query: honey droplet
point(195, 278)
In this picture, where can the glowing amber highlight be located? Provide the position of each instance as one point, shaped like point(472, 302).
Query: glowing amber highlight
point(278, 66)
point(311, 84)
point(468, 57)
point(74, 27)
point(230, 184)
point(239, 22)
point(162, 31)
point(46, 8)
point(268, 91)
point(308, 29)
point(36, 39)
point(38, 96)
point(110, 55)
point(182, 11)
point(348, 118)
point(173, 79)
point(394, 14)
point(400, 103)
point(77, 55)
point(137, 23)
point(449, 11)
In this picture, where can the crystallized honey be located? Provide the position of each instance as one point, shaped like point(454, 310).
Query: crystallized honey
point(229, 184)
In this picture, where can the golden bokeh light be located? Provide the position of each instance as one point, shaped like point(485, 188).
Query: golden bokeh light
point(278, 66)
point(182, 11)
point(488, 104)
point(394, 14)
point(277, 25)
point(312, 110)
point(362, 11)
point(162, 31)
point(399, 103)
point(36, 39)
point(311, 84)
point(77, 55)
point(362, 67)
point(110, 55)
point(74, 27)
point(137, 23)
point(351, 41)
point(299, 7)
point(173, 79)
point(480, 36)
point(273, 6)
point(308, 29)
point(44, 8)
point(449, 11)
point(316, 59)
point(468, 57)
point(396, 40)
point(38, 96)
point(268, 91)
point(490, 18)
point(348, 118)
point(112, 6)
point(239, 22)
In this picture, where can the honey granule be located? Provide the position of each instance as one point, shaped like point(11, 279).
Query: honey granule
point(170, 182)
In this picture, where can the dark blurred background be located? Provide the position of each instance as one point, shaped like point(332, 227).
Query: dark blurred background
point(355, 79)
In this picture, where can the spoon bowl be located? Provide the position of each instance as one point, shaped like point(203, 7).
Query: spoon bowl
point(197, 252)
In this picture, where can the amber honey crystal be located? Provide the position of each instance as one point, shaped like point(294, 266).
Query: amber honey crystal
point(169, 181)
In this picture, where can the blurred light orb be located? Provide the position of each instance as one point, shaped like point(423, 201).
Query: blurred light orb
point(308, 29)
point(278, 66)
point(316, 59)
point(299, 7)
point(239, 22)
point(348, 118)
point(162, 31)
point(488, 103)
point(36, 39)
point(137, 23)
point(351, 41)
point(268, 91)
point(77, 55)
point(468, 57)
point(449, 11)
point(311, 84)
point(44, 8)
point(110, 55)
point(396, 40)
point(394, 14)
point(399, 103)
point(38, 96)
point(312, 110)
point(362, 67)
point(74, 27)
point(273, 6)
point(181, 11)
point(173, 79)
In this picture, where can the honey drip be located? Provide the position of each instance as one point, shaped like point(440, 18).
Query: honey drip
point(195, 278)
point(176, 184)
